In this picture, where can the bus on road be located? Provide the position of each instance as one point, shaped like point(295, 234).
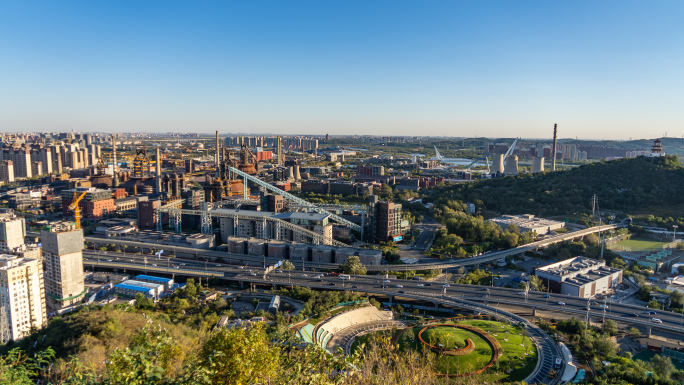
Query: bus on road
point(345, 276)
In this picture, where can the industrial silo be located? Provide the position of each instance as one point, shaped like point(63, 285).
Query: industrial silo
point(277, 249)
point(538, 164)
point(322, 253)
point(511, 165)
point(498, 163)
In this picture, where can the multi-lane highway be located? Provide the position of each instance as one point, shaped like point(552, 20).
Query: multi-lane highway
point(444, 264)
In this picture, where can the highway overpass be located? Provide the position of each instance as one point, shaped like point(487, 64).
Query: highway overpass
point(443, 264)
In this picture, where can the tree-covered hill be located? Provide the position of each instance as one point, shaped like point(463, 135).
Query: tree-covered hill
point(624, 184)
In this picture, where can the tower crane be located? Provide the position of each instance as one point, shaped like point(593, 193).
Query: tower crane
point(76, 208)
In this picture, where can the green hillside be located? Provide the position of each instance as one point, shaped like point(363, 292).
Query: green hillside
point(627, 185)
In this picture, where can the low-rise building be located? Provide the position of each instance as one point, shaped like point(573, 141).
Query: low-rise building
point(528, 222)
point(167, 282)
point(580, 277)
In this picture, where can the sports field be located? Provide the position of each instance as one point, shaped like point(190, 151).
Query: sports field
point(638, 244)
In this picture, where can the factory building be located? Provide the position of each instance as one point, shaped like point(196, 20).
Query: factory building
point(167, 282)
point(527, 222)
point(262, 229)
point(22, 297)
point(63, 260)
point(580, 277)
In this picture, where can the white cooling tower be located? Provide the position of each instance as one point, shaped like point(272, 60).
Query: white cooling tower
point(538, 164)
point(498, 163)
point(511, 165)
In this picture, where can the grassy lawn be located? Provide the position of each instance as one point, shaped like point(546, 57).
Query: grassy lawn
point(640, 244)
point(513, 365)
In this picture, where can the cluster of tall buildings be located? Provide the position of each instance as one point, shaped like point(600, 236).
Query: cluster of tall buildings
point(287, 142)
point(37, 279)
point(27, 160)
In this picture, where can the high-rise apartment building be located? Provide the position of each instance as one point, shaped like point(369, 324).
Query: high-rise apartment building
point(6, 171)
point(63, 258)
point(22, 297)
point(384, 220)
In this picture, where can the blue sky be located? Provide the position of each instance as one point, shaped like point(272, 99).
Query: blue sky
point(600, 69)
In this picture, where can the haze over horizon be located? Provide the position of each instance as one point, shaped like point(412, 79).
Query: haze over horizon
point(601, 70)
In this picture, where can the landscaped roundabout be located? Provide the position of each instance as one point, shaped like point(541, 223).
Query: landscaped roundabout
point(469, 346)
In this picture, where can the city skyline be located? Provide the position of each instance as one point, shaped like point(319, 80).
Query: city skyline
point(601, 71)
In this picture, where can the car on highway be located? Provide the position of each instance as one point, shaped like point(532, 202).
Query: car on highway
point(400, 285)
point(386, 281)
point(176, 267)
point(355, 287)
point(332, 283)
point(546, 296)
point(587, 308)
point(428, 284)
point(154, 264)
point(446, 285)
point(650, 312)
point(401, 292)
point(319, 280)
point(593, 303)
point(109, 260)
point(656, 320)
point(635, 315)
point(218, 265)
point(420, 285)
point(521, 293)
point(604, 307)
point(303, 275)
point(252, 274)
point(182, 264)
point(561, 303)
point(239, 267)
point(279, 271)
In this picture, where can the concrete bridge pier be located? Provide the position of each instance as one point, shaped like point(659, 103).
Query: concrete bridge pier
point(534, 311)
point(275, 287)
point(242, 284)
point(390, 297)
point(648, 331)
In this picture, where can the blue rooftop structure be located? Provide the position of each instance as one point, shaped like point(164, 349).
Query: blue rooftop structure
point(151, 278)
point(133, 287)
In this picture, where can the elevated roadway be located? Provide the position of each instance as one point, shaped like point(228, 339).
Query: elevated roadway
point(244, 259)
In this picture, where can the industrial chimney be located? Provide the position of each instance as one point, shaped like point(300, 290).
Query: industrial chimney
point(115, 179)
point(553, 150)
point(158, 172)
point(217, 158)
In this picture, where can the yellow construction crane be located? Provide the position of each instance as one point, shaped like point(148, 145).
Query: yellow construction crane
point(76, 208)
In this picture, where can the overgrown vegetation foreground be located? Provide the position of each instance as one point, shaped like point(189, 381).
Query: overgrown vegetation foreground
point(163, 353)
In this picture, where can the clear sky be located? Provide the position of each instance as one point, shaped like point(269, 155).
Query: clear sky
point(600, 69)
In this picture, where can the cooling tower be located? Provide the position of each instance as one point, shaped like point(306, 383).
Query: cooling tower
point(297, 175)
point(498, 163)
point(538, 164)
point(290, 173)
point(511, 165)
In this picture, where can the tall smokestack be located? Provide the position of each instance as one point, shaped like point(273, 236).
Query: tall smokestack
point(280, 151)
point(553, 150)
point(218, 160)
point(115, 180)
point(158, 170)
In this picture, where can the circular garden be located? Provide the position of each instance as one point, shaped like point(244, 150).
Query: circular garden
point(466, 347)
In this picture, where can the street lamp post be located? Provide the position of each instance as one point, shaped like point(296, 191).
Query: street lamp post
point(674, 234)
